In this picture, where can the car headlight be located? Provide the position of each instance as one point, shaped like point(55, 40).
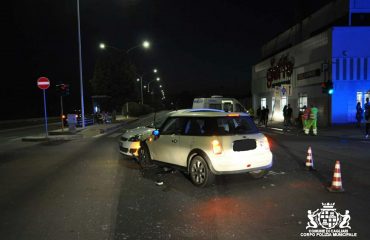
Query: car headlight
point(134, 138)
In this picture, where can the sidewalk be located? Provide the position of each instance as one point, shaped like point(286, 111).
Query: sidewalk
point(347, 131)
point(89, 131)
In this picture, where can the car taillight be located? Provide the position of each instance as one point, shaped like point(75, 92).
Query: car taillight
point(216, 146)
point(264, 143)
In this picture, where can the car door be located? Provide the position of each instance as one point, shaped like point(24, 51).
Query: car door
point(166, 148)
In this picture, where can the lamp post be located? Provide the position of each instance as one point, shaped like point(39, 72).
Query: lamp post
point(140, 79)
point(157, 79)
point(80, 62)
point(145, 44)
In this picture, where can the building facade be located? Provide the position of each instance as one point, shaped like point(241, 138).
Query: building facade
point(331, 46)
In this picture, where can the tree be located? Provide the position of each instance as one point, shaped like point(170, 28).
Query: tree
point(114, 75)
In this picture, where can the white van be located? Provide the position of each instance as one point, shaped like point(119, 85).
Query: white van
point(219, 102)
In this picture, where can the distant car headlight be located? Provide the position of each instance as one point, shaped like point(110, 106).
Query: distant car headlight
point(135, 138)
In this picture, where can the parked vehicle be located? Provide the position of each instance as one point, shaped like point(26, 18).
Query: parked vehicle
point(208, 143)
point(219, 102)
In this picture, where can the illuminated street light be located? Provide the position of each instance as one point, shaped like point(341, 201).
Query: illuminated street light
point(157, 79)
point(155, 70)
point(146, 44)
point(141, 84)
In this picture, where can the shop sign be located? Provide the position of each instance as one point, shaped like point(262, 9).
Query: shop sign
point(280, 71)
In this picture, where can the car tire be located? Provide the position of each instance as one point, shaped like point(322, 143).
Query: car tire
point(259, 173)
point(199, 172)
point(144, 156)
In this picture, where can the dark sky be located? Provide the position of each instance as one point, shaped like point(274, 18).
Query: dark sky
point(203, 44)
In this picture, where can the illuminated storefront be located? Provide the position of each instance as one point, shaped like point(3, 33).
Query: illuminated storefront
point(300, 65)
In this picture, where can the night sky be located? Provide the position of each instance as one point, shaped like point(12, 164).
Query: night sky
point(196, 45)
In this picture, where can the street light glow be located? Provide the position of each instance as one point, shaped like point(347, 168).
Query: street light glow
point(146, 44)
point(155, 70)
point(138, 80)
point(102, 46)
point(158, 79)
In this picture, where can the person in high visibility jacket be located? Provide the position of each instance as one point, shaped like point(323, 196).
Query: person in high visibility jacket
point(305, 116)
point(312, 121)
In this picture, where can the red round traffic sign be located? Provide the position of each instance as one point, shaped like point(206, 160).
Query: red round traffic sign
point(43, 83)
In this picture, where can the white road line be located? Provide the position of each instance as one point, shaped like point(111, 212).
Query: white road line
point(114, 135)
point(99, 135)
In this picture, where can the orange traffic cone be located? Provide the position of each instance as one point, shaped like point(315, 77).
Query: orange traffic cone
point(309, 160)
point(336, 185)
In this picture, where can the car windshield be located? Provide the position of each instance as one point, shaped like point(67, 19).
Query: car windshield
point(158, 122)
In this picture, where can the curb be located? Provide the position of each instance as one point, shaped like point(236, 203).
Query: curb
point(52, 138)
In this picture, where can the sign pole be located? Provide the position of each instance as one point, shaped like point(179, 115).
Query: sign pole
point(61, 107)
point(45, 115)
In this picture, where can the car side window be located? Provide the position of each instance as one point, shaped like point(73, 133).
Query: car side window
point(194, 127)
point(173, 126)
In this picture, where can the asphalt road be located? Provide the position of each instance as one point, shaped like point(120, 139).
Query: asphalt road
point(84, 189)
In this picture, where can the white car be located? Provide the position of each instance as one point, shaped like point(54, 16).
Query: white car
point(129, 143)
point(209, 143)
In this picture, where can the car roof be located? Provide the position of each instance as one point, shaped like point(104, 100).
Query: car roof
point(203, 112)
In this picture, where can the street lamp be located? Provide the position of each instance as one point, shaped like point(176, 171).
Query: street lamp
point(145, 44)
point(140, 79)
point(80, 61)
point(157, 79)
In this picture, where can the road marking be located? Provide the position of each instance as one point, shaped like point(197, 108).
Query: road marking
point(275, 173)
point(114, 135)
point(99, 135)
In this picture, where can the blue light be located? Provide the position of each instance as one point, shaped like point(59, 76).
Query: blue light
point(156, 133)
point(351, 68)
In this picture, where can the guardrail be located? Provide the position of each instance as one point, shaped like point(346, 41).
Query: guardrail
point(26, 122)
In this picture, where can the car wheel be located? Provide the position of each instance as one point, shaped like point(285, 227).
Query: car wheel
point(258, 173)
point(200, 174)
point(144, 156)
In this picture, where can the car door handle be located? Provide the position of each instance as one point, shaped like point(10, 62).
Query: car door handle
point(174, 140)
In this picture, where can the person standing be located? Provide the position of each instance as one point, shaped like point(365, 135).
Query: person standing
point(312, 120)
point(289, 115)
point(266, 115)
point(259, 115)
point(305, 118)
point(358, 114)
point(262, 117)
point(285, 115)
point(367, 117)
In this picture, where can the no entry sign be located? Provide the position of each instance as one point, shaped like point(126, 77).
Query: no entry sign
point(43, 83)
